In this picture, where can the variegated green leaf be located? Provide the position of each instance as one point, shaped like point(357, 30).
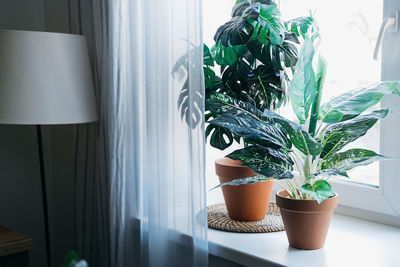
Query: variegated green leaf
point(339, 134)
point(327, 173)
point(266, 161)
point(351, 158)
point(252, 130)
point(249, 180)
point(220, 103)
point(300, 138)
point(353, 103)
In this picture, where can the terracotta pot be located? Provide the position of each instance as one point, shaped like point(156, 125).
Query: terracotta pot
point(243, 202)
point(306, 222)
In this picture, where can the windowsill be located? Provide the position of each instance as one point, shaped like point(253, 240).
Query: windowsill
point(350, 242)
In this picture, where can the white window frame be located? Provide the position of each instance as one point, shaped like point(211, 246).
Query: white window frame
point(380, 203)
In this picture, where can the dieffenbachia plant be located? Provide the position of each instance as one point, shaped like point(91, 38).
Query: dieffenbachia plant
point(277, 145)
point(252, 60)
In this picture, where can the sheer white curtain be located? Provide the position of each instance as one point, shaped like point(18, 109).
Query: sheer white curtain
point(147, 56)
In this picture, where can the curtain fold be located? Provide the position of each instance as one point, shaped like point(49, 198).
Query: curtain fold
point(140, 197)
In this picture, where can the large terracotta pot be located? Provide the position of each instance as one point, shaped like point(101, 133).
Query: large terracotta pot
point(243, 202)
point(306, 222)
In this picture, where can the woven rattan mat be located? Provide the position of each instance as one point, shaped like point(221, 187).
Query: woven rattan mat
point(218, 219)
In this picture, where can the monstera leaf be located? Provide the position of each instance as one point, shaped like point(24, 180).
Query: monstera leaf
point(351, 158)
point(264, 87)
point(277, 56)
point(236, 31)
point(303, 87)
point(235, 78)
point(220, 137)
point(339, 134)
point(354, 102)
point(227, 55)
point(207, 56)
point(266, 161)
point(268, 26)
point(258, 21)
point(239, 7)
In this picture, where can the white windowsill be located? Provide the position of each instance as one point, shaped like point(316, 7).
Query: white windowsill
point(350, 242)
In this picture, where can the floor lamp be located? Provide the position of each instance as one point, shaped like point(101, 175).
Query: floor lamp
point(45, 79)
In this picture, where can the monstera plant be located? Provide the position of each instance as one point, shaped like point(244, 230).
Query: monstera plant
point(314, 146)
point(255, 52)
point(252, 61)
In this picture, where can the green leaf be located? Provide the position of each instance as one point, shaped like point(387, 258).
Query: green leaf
point(217, 139)
point(266, 161)
point(249, 180)
point(269, 24)
point(351, 158)
point(263, 84)
point(327, 173)
point(227, 55)
point(354, 102)
point(320, 190)
point(207, 57)
point(71, 259)
point(252, 129)
point(259, 21)
point(239, 7)
point(277, 56)
point(300, 138)
point(236, 31)
point(339, 134)
point(321, 71)
point(235, 78)
point(300, 26)
point(219, 103)
point(209, 77)
point(303, 87)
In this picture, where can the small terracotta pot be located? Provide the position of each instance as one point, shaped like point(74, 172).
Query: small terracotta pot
point(306, 222)
point(243, 202)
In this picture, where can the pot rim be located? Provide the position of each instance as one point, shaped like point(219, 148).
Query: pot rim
point(306, 205)
point(294, 199)
point(220, 162)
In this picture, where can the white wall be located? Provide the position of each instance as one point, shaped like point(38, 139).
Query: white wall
point(20, 192)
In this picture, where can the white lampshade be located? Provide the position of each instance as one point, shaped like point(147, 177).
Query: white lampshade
point(45, 78)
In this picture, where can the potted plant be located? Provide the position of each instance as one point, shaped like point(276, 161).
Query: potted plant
point(314, 146)
point(256, 52)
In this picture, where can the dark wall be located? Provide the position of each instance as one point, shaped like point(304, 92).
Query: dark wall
point(20, 191)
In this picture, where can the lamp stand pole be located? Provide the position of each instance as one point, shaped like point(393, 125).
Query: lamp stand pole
point(44, 194)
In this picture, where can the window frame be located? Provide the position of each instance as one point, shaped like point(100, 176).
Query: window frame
point(380, 203)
